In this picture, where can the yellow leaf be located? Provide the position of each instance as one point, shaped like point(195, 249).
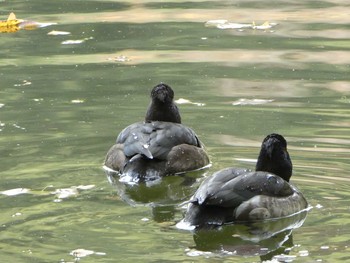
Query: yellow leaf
point(12, 16)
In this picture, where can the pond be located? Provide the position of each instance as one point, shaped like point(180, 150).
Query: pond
point(249, 68)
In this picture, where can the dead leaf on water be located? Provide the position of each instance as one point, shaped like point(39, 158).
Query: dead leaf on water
point(12, 24)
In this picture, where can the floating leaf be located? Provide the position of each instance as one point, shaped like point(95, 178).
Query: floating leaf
point(12, 24)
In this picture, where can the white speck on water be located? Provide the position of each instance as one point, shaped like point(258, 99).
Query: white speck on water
point(318, 206)
point(24, 83)
point(197, 253)
point(77, 101)
point(85, 187)
point(72, 42)
point(58, 33)
point(251, 102)
point(120, 58)
point(14, 192)
point(145, 219)
point(186, 101)
point(1, 125)
point(18, 127)
point(246, 160)
point(284, 258)
point(324, 247)
point(80, 253)
point(65, 192)
point(185, 225)
point(146, 146)
point(75, 42)
point(224, 24)
point(303, 253)
point(17, 214)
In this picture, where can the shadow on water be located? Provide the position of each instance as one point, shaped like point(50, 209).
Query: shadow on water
point(163, 196)
point(266, 239)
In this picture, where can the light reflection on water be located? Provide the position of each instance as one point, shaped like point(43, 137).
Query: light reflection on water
point(62, 106)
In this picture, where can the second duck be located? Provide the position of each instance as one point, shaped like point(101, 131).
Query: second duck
point(158, 146)
point(234, 194)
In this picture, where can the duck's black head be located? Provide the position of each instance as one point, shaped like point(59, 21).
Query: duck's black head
point(274, 158)
point(162, 106)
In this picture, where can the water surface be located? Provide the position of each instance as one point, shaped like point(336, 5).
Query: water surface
point(63, 104)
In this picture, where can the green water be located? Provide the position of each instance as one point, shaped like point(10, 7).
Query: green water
point(62, 106)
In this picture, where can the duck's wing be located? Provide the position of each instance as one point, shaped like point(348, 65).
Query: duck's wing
point(212, 186)
point(155, 139)
point(231, 189)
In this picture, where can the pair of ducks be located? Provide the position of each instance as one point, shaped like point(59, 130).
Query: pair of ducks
point(162, 146)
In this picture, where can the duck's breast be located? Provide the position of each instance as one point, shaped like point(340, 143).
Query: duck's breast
point(262, 207)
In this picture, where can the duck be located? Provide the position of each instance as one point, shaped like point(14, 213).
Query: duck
point(240, 195)
point(158, 146)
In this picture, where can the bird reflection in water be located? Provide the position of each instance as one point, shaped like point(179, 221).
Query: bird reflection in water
point(163, 195)
point(266, 239)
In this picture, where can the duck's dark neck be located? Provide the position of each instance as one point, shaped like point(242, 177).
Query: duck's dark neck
point(159, 111)
point(277, 162)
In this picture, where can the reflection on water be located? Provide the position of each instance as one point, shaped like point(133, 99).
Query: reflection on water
point(170, 190)
point(265, 239)
point(65, 97)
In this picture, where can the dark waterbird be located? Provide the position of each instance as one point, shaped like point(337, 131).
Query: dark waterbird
point(158, 146)
point(234, 194)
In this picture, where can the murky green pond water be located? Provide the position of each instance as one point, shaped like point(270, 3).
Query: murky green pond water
point(62, 104)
